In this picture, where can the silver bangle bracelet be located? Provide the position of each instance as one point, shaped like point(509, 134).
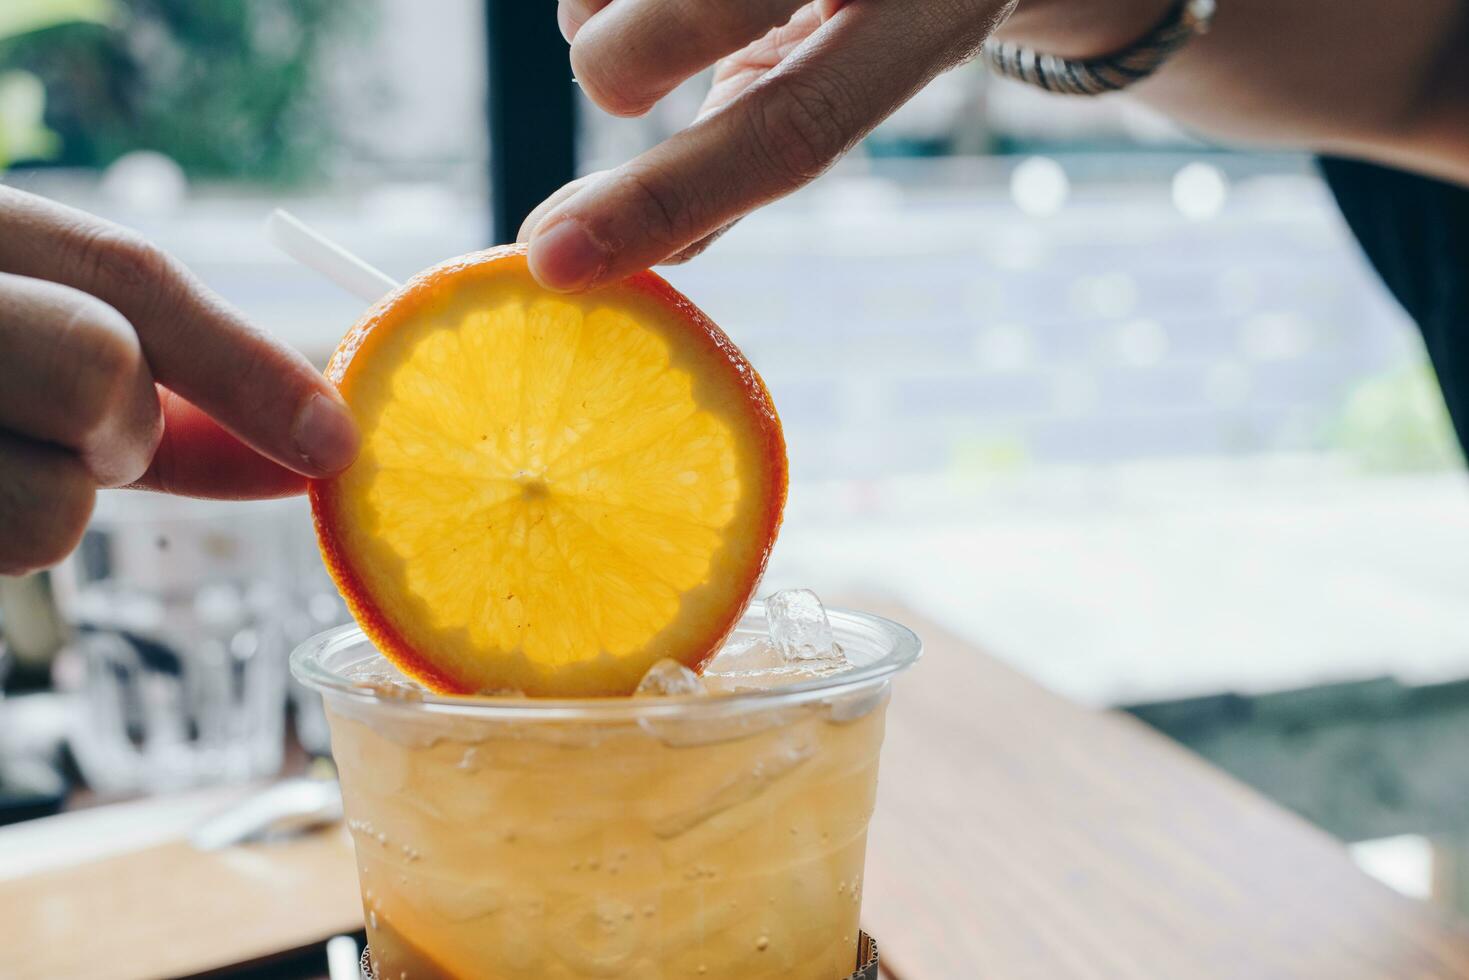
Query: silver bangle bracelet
point(1108, 73)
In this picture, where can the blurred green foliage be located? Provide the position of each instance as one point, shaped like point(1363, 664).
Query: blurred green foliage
point(228, 88)
point(23, 131)
point(23, 16)
point(1398, 423)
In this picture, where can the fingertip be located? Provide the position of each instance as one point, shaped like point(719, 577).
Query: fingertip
point(611, 81)
point(565, 256)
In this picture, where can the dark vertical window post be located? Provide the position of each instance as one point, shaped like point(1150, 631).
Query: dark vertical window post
point(532, 105)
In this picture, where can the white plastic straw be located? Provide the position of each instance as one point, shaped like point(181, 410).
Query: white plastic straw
point(341, 958)
point(325, 257)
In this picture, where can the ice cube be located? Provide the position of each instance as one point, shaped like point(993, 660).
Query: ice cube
point(669, 678)
point(462, 899)
point(733, 788)
point(749, 656)
point(798, 626)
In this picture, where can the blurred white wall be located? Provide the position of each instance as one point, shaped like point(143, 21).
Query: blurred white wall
point(411, 88)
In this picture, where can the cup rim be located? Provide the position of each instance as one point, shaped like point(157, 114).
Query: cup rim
point(903, 649)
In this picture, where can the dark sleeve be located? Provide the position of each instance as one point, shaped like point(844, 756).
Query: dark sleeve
point(1415, 230)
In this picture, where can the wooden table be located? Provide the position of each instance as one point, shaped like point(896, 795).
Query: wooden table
point(1017, 836)
point(118, 893)
point(1021, 836)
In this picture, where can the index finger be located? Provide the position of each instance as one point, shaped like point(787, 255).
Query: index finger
point(196, 344)
point(774, 137)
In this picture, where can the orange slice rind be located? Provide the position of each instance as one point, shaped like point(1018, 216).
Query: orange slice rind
point(554, 491)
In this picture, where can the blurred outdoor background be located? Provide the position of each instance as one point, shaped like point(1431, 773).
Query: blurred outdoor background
point(1125, 409)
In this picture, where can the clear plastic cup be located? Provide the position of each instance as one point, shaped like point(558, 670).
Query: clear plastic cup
point(714, 836)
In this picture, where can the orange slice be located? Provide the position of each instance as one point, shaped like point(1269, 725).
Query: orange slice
point(554, 492)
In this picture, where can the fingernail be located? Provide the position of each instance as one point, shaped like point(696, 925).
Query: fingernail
point(565, 256)
point(325, 435)
point(526, 230)
point(568, 24)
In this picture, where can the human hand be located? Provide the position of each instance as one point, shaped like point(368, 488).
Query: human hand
point(118, 368)
point(796, 85)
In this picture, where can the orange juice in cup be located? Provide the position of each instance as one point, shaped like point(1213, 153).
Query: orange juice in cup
point(716, 835)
